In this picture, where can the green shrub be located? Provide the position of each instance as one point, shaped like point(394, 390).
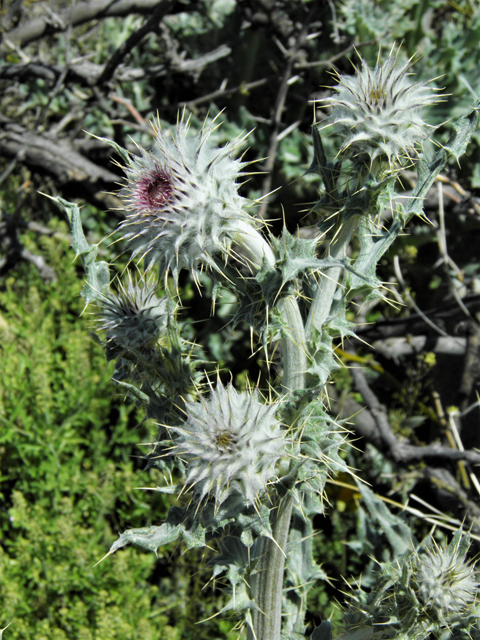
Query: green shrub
point(69, 465)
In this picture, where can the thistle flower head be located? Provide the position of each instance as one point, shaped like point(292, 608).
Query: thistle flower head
point(133, 317)
point(231, 442)
point(378, 113)
point(182, 201)
point(431, 589)
point(446, 583)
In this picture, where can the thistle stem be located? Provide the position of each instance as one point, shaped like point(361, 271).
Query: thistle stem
point(322, 301)
point(293, 345)
point(267, 584)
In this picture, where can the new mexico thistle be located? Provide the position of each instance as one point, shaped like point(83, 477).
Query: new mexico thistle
point(377, 112)
point(182, 203)
point(231, 442)
point(429, 590)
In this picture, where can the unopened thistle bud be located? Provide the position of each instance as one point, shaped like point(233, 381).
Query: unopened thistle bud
point(182, 203)
point(378, 113)
point(133, 317)
point(231, 443)
point(429, 590)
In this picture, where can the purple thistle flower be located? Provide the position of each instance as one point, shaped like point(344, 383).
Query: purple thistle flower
point(182, 203)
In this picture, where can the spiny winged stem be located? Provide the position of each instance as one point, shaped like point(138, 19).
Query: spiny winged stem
point(329, 280)
point(267, 584)
point(293, 346)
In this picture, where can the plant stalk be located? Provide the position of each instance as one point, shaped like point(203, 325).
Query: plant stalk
point(267, 584)
point(293, 346)
point(322, 302)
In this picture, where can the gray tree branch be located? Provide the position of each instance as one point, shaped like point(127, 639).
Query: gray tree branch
point(58, 158)
point(79, 14)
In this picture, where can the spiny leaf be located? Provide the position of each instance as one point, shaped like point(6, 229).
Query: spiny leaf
point(398, 533)
point(98, 276)
point(178, 524)
point(323, 631)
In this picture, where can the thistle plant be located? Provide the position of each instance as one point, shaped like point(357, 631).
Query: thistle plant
point(430, 590)
point(180, 176)
point(253, 469)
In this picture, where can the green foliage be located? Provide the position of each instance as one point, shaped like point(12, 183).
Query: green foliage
point(69, 465)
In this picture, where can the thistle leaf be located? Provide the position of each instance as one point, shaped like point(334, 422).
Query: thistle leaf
point(178, 524)
point(98, 276)
point(398, 533)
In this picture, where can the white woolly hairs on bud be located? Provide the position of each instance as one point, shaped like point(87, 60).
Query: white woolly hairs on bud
point(183, 206)
point(378, 113)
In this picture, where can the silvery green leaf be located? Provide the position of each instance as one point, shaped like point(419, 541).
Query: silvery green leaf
point(98, 276)
point(176, 526)
point(135, 391)
point(398, 533)
point(240, 600)
point(324, 632)
point(247, 521)
point(255, 524)
point(301, 573)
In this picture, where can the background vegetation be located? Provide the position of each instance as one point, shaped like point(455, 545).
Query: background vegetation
point(70, 446)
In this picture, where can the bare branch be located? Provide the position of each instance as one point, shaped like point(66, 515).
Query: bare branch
point(88, 73)
point(226, 92)
point(448, 315)
point(79, 14)
point(13, 250)
point(124, 49)
point(400, 347)
point(278, 110)
point(402, 451)
point(57, 157)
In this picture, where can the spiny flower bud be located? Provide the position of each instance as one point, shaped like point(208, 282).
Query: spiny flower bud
point(445, 582)
point(133, 317)
point(183, 205)
point(429, 590)
point(378, 113)
point(231, 442)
